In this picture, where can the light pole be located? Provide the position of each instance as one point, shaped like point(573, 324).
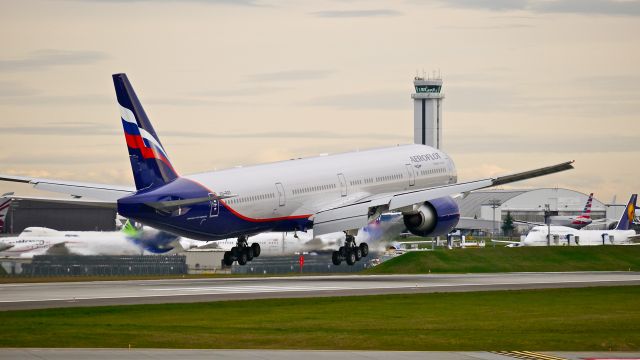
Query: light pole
point(495, 203)
point(547, 212)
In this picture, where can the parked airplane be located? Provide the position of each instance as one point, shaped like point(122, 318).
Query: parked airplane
point(563, 235)
point(573, 221)
point(335, 193)
point(129, 241)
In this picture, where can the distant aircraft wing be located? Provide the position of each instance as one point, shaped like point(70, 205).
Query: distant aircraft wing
point(103, 192)
point(529, 223)
point(358, 213)
point(507, 242)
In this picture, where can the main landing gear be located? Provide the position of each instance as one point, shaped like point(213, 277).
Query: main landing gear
point(350, 252)
point(242, 252)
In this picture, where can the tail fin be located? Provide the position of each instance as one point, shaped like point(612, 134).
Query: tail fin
point(628, 215)
point(149, 162)
point(587, 208)
point(5, 203)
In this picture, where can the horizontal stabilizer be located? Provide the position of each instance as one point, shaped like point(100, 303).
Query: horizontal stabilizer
point(172, 205)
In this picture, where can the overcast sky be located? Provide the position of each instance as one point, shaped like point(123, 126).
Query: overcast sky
point(226, 82)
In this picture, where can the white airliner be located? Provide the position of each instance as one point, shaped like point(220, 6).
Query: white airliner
point(44, 241)
point(563, 235)
point(334, 193)
point(573, 221)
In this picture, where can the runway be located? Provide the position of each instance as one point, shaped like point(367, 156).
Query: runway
point(73, 294)
point(122, 354)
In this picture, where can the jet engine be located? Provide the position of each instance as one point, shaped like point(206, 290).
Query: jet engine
point(433, 218)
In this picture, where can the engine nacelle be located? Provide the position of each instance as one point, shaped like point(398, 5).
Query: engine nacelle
point(433, 218)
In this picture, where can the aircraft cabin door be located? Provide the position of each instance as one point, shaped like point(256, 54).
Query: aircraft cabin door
point(343, 185)
point(281, 195)
point(412, 175)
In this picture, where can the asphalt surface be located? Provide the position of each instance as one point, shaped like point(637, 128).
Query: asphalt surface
point(124, 354)
point(73, 294)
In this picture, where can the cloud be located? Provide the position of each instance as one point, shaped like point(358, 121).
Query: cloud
point(582, 7)
point(486, 27)
point(356, 13)
point(60, 128)
point(33, 98)
point(210, 2)
point(79, 128)
point(12, 89)
point(45, 58)
point(291, 75)
point(378, 100)
point(526, 143)
point(241, 92)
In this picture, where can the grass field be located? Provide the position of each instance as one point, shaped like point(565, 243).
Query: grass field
point(501, 259)
point(558, 319)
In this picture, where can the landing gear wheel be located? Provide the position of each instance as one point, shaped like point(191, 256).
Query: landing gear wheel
point(228, 258)
point(342, 251)
point(364, 248)
point(242, 258)
point(336, 258)
point(256, 249)
point(249, 252)
point(357, 252)
point(351, 258)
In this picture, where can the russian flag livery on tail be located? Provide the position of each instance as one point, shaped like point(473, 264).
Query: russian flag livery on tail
point(333, 193)
point(149, 162)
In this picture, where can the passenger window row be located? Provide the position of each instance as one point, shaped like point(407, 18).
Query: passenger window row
point(309, 189)
point(389, 177)
point(432, 171)
point(259, 197)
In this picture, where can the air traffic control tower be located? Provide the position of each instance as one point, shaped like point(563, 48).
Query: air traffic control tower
point(427, 111)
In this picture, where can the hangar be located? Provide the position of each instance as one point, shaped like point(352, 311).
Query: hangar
point(527, 204)
point(24, 213)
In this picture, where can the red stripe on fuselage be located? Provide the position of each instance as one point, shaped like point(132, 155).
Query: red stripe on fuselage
point(234, 212)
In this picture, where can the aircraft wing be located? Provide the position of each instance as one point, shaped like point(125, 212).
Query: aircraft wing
point(507, 242)
point(103, 192)
point(358, 213)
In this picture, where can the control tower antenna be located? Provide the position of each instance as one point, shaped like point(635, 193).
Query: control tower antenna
point(427, 110)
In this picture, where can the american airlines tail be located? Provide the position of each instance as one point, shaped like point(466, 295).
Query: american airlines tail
point(587, 208)
point(4, 209)
point(149, 161)
point(628, 215)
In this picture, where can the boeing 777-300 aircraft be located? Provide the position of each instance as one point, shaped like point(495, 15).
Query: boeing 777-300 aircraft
point(336, 193)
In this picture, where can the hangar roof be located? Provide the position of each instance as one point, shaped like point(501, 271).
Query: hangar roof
point(470, 206)
point(534, 200)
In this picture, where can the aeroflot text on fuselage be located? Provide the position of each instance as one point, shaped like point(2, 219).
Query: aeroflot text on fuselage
point(425, 157)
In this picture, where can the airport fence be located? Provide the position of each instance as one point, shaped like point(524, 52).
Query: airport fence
point(76, 265)
point(286, 264)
